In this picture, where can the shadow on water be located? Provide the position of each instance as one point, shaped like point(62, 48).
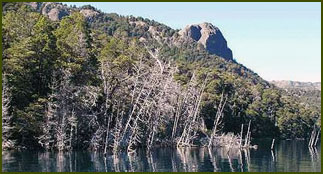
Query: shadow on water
point(292, 156)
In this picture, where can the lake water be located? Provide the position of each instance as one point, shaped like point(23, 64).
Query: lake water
point(287, 156)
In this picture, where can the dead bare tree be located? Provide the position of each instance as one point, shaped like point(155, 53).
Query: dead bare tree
point(6, 116)
point(241, 136)
point(151, 98)
point(247, 139)
point(96, 139)
point(190, 128)
point(181, 107)
point(48, 138)
point(218, 119)
point(67, 112)
point(314, 136)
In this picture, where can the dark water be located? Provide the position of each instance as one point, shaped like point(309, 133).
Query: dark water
point(289, 156)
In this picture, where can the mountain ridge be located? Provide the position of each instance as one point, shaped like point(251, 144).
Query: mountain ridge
point(206, 34)
point(286, 84)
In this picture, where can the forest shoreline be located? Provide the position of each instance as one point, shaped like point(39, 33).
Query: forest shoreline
point(110, 81)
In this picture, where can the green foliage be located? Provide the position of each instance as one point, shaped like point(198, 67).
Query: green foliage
point(30, 57)
point(74, 46)
point(296, 120)
point(17, 25)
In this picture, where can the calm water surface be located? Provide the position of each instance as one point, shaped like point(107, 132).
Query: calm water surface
point(291, 156)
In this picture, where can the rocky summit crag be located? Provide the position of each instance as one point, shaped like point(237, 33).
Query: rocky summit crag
point(210, 37)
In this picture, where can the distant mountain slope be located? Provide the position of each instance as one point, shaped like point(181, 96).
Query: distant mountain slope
point(308, 93)
point(287, 84)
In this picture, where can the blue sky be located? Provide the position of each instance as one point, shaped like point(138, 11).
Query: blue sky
point(279, 41)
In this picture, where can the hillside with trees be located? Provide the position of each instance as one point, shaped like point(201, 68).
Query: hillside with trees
point(85, 79)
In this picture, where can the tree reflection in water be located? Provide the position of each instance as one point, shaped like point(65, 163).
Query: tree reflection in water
point(314, 156)
point(287, 156)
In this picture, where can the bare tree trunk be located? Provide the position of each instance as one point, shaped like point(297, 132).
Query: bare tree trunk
point(181, 103)
point(107, 136)
point(190, 127)
point(317, 137)
point(310, 144)
point(219, 115)
point(272, 144)
point(6, 116)
point(248, 135)
point(177, 115)
point(241, 136)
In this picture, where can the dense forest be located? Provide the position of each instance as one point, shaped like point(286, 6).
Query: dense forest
point(103, 81)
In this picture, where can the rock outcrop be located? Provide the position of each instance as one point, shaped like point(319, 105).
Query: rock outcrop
point(54, 11)
point(210, 37)
point(35, 5)
point(89, 13)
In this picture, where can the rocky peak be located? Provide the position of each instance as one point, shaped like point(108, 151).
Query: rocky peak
point(210, 37)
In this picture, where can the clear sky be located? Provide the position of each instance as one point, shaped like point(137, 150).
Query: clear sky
point(279, 41)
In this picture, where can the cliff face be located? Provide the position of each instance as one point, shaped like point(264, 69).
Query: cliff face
point(210, 37)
